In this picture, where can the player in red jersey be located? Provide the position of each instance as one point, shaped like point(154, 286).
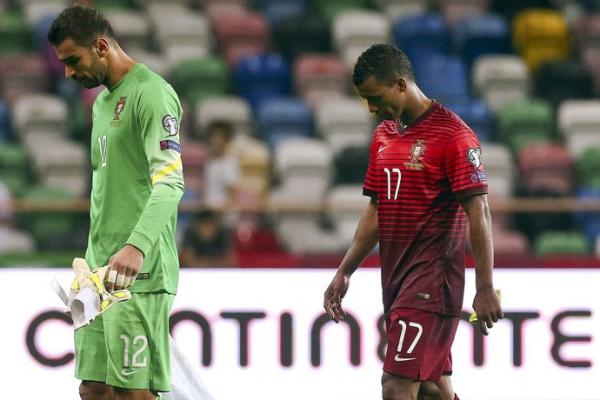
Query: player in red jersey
point(425, 179)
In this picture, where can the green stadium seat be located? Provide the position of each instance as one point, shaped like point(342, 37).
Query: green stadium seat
point(329, 9)
point(199, 78)
point(561, 243)
point(15, 34)
point(588, 167)
point(524, 122)
point(13, 168)
point(56, 230)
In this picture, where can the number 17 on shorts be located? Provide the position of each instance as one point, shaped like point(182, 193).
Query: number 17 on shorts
point(419, 344)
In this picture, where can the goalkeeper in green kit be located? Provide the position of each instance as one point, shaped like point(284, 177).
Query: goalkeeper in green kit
point(136, 187)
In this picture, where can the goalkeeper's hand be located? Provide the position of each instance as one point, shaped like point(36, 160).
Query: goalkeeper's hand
point(123, 267)
point(88, 296)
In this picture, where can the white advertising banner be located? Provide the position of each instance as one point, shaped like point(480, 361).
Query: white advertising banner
point(261, 334)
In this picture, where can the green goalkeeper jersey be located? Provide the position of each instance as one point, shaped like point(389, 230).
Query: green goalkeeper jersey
point(137, 178)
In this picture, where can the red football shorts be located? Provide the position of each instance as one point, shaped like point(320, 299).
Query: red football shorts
point(419, 344)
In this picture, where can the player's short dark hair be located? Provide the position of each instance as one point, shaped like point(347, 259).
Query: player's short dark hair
point(80, 23)
point(383, 61)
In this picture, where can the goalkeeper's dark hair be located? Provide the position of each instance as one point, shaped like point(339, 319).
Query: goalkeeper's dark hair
point(81, 24)
point(384, 62)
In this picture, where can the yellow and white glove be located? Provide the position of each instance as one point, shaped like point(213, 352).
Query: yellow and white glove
point(88, 296)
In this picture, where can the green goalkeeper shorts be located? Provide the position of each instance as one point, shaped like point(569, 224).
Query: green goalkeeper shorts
point(127, 346)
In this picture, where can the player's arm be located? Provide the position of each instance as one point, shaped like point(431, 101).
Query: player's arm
point(486, 303)
point(365, 239)
point(159, 115)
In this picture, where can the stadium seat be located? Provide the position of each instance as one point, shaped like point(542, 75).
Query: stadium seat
point(13, 241)
point(261, 77)
point(132, 28)
point(51, 230)
point(561, 80)
point(482, 34)
point(232, 109)
point(279, 10)
point(297, 35)
point(541, 35)
point(283, 118)
point(477, 114)
point(500, 79)
point(499, 168)
point(345, 205)
point(39, 15)
point(304, 167)
point(554, 243)
point(157, 62)
point(442, 77)
point(120, 4)
point(546, 168)
point(510, 243)
point(344, 122)
point(14, 165)
point(40, 114)
point(181, 34)
point(588, 167)
point(419, 35)
point(399, 9)
point(350, 165)
point(15, 33)
point(200, 78)
point(60, 163)
point(579, 124)
point(524, 122)
point(354, 31)
point(22, 73)
point(330, 9)
point(242, 35)
point(319, 76)
point(457, 11)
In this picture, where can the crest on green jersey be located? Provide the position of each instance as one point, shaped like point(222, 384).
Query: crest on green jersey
point(119, 108)
point(171, 125)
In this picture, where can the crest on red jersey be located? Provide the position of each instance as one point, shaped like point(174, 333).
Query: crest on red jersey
point(416, 154)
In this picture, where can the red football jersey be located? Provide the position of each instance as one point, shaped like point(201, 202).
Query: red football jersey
point(418, 175)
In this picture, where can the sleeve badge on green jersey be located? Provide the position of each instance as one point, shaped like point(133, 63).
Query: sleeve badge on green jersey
point(171, 125)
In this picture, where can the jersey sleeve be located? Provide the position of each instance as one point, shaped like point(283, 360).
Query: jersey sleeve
point(159, 116)
point(464, 165)
point(370, 181)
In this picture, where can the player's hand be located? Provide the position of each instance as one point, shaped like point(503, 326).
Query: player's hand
point(332, 301)
point(123, 268)
point(487, 306)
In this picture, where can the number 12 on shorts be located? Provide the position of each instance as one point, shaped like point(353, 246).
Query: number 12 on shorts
point(142, 342)
point(404, 326)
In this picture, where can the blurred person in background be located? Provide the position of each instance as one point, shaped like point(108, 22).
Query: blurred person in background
point(222, 171)
point(137, 183)
point(207, 242)
point(424, 173)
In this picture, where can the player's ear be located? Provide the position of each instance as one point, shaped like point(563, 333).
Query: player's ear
point(101, 46)
point(401, 84)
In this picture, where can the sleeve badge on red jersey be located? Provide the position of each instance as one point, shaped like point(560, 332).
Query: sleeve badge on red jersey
point(474, 156)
